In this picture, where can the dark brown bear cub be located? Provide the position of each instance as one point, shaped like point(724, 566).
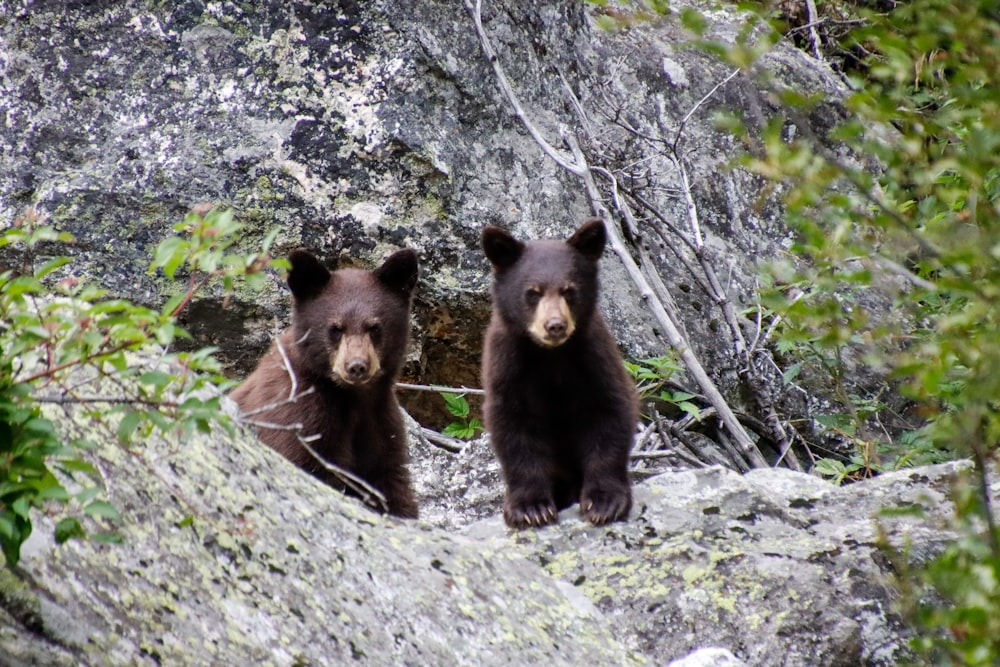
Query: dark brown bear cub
point(560, 408)
point(333, 372)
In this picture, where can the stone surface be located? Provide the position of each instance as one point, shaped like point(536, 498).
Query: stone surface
point(355, 128)
point(231, 555)
point(359, 127)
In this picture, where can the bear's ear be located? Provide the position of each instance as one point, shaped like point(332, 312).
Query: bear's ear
point(589, 240)
point(399, 271)
point(500, 247)
point(307, 277)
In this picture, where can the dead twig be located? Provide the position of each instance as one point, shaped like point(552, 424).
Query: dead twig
point(437, 388)
point(367, 493)
point(813, 33)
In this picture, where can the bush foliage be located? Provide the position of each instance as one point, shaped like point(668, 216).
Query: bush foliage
point(66, 342)
point(903, 200)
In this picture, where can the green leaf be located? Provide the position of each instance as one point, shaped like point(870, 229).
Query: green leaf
point(50, 266)
point(55, 492)
point(67, 529)
point(460, 431)
point(170, 255)
point(791, 372)
point(76, 465)
point(693, 21)
point(690, 408)
point(830, 468)
point(269, 239)
point(158, 379)
point(86, 494)
point(128, 424)
point(14, 531)
point(457, 405)
point(171, 305)
point(21, 507)
point(106, 538)
point(102, 508)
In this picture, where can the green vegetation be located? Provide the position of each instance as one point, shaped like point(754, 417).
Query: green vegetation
point(65, 341)
point(651, 380)
point(900, 204)
point(465, 427)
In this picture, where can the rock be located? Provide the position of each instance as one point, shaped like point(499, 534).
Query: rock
point(776, 566)
point(708, 657)
point(356, 128)
point(231, 555)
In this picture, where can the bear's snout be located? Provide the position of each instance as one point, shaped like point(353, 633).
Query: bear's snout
point(552, 324)
point(555, 327)
point(357, 369)
point(355, 361)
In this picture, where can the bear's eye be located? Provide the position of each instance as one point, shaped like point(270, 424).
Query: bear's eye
point(567, 291)
point(374, 329)
point(335, 332)
point(533, 294)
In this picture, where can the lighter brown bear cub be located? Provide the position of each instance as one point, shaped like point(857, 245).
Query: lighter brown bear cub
point(560, 408)
point(333, 373)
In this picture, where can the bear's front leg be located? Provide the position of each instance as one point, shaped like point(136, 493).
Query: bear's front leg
point(527, 471)
point(398, 490)
point(606, 494)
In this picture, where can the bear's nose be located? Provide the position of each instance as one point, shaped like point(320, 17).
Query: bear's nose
point(555, 327)
point(357, 369)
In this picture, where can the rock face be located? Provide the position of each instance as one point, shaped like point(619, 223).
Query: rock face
point(359, 127)
point(231, 555)
point(356, 128)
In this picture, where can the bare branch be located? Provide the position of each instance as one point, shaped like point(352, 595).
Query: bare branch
point(368, 494)
point(670, 328)
point(508, 91)
point(691, 112)
point(453, 445)
point(288, 366)
point(813, 34)
point(437, 388)
point(277, 404)
point(579, 167)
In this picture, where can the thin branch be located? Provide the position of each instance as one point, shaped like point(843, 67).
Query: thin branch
point(107, 400)
point(508, 91)
point(813, 34)
point(643, 437)
point(691, 112)
point(277, 404)
point(453, 445)
point(365, 491)
point(288, 366)
point(903, 272)
point(437, 388)
point(368, 494)
point(52, 370)
point(670, 328)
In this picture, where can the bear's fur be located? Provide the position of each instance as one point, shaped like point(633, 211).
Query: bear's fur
point(333, 373)
point(560, 408)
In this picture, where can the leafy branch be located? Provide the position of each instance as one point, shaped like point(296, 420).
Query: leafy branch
point(65, 342)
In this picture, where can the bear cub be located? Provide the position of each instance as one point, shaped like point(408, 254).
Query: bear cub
point(560, 408)
point(329, 379)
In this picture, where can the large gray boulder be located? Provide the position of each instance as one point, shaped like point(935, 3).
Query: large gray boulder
point(355, 128)
point(358, 127)
point(233, 556)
